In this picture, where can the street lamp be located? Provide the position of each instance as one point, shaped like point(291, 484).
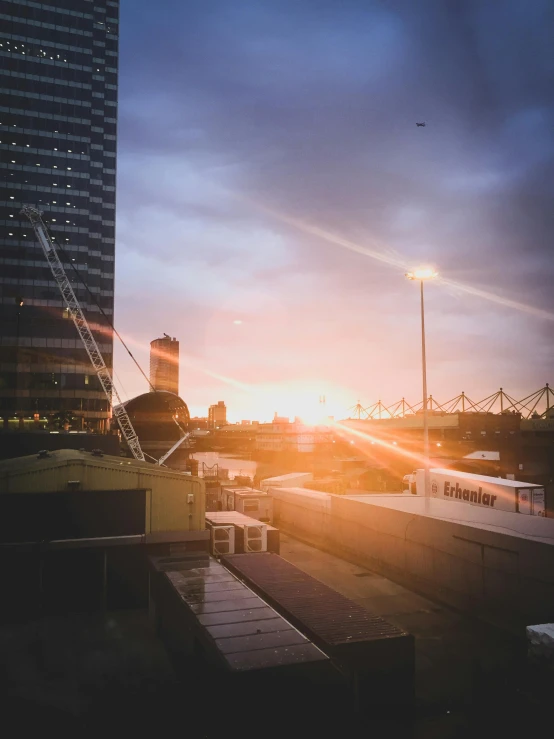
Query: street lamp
point(422, 274)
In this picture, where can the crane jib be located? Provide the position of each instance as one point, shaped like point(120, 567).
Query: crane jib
point(104, 376)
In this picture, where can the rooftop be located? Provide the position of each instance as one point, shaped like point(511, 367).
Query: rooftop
point(504, 522)
point(21, 467)
point(471, 477)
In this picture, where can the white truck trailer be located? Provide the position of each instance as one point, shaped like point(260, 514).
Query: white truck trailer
point(479, 490)
point(291, 480)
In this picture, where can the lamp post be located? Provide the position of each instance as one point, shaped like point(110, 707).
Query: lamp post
point(423, 274)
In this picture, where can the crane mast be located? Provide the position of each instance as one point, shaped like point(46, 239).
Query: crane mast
point(103, 373)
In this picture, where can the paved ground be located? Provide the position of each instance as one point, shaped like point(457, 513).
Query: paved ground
point(469, 675)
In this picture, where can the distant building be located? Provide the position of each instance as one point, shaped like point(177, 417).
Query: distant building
point(283, 435)
point(453, 438)
point(164, 364)
point(217, 415)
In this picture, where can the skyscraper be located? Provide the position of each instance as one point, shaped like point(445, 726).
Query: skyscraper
point(164, 364)
point(58, 119)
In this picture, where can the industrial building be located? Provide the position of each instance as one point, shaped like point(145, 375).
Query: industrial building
point(58, 132)
point(524, 447)
point(75, 528)
point(164, 364)
point(283, 435)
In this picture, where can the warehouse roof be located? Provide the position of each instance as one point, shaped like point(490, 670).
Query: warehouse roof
point(62, 456)
point(14, 471)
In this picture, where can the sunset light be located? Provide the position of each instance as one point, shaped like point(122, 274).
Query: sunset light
point(277, 436)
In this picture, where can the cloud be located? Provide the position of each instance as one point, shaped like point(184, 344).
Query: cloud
point(270, 168)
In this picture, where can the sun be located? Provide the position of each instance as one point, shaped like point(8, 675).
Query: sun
point(312, 417)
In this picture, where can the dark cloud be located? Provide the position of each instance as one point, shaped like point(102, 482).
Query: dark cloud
point(234, 113)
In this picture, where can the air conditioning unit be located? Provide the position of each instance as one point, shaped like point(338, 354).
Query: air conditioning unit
point(255, 538)
point(222, 540)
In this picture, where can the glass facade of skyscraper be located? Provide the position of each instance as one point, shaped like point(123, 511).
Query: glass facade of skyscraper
point(58, 128)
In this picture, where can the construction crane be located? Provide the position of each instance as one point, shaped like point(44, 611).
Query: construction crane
point(103, 373)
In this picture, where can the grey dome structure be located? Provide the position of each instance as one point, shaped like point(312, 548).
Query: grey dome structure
point(156, 416)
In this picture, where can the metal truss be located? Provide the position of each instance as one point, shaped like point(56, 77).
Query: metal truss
point(536, 405)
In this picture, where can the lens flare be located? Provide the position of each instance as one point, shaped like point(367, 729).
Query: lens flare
point(381, 253)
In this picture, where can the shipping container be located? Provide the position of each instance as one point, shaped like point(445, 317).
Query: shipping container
point(254, 503)
point(377, 656)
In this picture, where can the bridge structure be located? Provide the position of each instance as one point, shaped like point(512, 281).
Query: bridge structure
point(538, 404)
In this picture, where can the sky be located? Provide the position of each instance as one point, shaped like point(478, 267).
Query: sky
point(273, 190)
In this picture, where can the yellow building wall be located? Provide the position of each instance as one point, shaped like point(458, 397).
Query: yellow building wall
point(169, 506)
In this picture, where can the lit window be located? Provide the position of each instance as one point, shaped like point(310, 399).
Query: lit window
point(86, 379)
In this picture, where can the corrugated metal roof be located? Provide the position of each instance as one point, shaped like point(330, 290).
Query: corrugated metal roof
point(19, 468)
point(320, 612)
point(62, 456)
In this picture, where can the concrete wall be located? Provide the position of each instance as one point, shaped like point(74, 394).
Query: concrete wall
point(507, 580)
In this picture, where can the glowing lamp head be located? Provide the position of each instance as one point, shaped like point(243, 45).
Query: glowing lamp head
point(422, 273)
